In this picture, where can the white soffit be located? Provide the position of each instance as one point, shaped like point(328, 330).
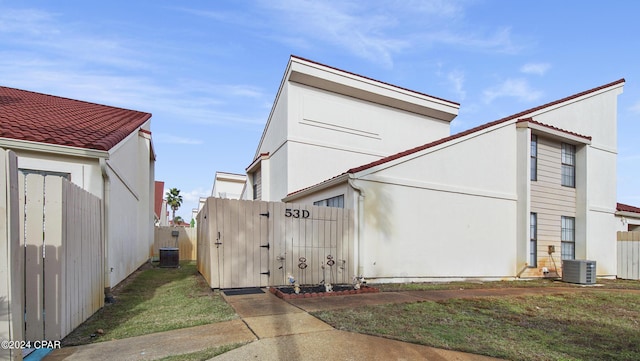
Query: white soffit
point(553, 133)
point(336, 81)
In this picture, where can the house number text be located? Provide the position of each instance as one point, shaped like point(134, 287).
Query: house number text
point(297, 213)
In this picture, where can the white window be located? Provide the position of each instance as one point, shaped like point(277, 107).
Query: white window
point(257, 185)
point(534, 157)
point(533, 242)
point(337, 202)
point(568, 237)
point(568, 165)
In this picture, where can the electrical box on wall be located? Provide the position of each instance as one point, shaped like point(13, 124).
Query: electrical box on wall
point(579, 271)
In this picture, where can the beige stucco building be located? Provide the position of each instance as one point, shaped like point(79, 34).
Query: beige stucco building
point(510, 198)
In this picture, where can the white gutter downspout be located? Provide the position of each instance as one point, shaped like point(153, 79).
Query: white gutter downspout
point(106, 192)
point(360, 227)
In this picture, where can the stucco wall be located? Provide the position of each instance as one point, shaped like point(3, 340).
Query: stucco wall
point(130, 211)
point(411, 233)
point(85, 172)
point(329, 133)
point(448, 212)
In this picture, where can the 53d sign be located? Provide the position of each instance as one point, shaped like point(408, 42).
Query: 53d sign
point(297, 213)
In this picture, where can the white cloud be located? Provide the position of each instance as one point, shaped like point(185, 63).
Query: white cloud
point(190, 200)
point(635, 107)
point(512, 88)
point(374, 30)
point(194, 195)
point(456, 79)
point(357, 28)
point(500, 41)
point(173, 139)
point(535, 68)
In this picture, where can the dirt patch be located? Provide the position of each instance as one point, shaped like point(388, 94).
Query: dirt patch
point(288, 292)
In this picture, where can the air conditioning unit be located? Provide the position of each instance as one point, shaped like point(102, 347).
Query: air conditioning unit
point(579, 271)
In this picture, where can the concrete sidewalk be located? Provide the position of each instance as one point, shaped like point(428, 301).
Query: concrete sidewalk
point(286, 331)
point(158, 345)
point(274, 329)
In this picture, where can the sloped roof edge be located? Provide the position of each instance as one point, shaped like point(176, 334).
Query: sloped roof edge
point(627, 208)
point(51, 119)
point(374, 80)
point(485, 126)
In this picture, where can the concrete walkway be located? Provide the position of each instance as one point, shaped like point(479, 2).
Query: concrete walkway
point(274, 329)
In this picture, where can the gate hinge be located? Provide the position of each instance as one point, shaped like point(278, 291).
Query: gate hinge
point(265, 246)
point(265, 214)
point(268, 273)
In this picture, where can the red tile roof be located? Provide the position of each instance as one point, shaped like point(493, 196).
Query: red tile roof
point(627, 208)
point(43, 118)
point(481, 127)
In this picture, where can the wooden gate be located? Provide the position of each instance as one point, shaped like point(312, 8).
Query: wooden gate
point(629, 255)
point(258, 244)
point(61, 233)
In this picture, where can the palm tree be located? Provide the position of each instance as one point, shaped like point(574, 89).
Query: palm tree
point(174, 200)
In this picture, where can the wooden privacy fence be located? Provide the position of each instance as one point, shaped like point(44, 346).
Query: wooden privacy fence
point(61, 232)
point(629, 255)
point(187, 241)
point(257, 244)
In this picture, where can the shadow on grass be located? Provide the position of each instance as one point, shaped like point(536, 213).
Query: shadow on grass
point(154, 299)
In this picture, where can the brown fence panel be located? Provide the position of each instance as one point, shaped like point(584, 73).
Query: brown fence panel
point(187, 242)
point(629, 255)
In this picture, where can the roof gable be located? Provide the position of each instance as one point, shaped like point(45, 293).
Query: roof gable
point(337, 81)
point(479, 128)
point(43, 118)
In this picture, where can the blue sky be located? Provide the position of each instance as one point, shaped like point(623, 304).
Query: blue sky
point(209, 71)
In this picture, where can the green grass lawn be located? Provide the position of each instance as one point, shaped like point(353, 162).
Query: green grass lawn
point(532, 283)
point(602, 325)
point(153, 300)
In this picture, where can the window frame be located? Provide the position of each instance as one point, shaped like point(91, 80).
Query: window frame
point(533, 240)
point(336, 202)
point(568, 165)
point(534, 157)
point(256, 181)
point(568, 237)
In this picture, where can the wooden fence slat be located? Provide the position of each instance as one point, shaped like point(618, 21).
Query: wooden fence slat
point(53, 261)
point(33, 258)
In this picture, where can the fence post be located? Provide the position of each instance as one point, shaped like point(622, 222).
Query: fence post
point(11, 265)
